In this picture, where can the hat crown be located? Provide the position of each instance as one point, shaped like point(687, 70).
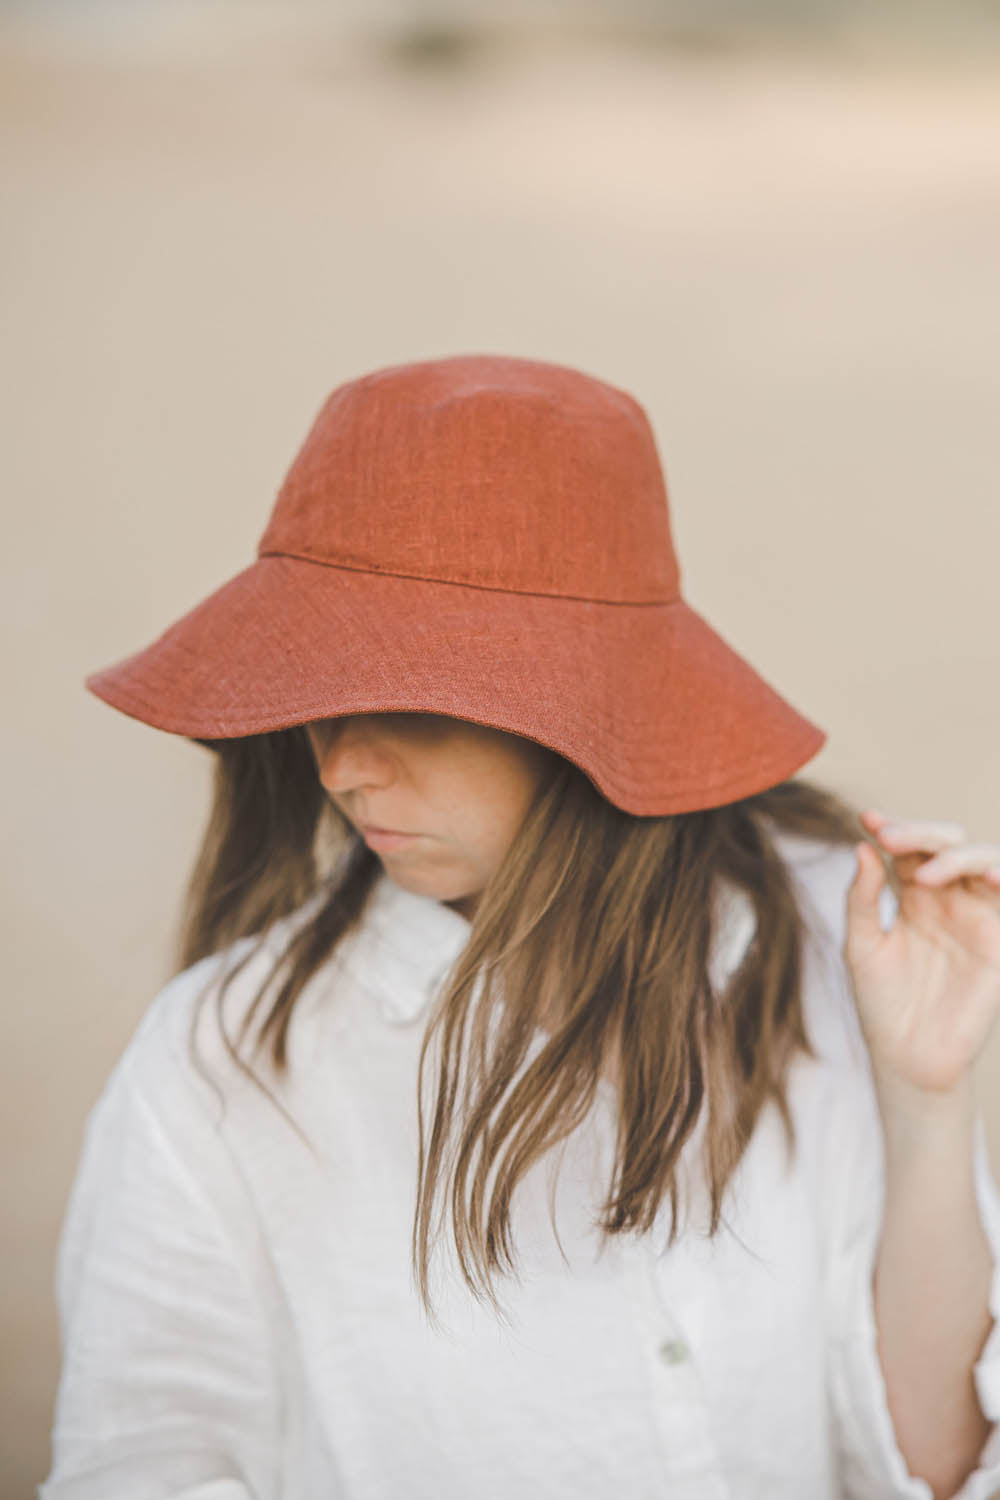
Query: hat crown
point(483, 470)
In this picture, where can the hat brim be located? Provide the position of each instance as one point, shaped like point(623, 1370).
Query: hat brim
point(647, 699)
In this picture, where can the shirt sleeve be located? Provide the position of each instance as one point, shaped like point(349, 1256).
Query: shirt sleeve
point(872, 1464)
point(167, 1387)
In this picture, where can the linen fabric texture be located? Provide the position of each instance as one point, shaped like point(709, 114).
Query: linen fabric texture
point(239, 1322)
point(490, 538)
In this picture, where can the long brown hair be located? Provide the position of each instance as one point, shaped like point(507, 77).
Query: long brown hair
point(598, 924)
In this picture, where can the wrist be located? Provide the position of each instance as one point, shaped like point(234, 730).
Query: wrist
point(915, 1118)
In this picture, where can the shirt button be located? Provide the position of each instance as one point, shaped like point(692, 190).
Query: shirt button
point(673, 1351)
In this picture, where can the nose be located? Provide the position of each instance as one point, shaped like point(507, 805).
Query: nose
point(351, 753)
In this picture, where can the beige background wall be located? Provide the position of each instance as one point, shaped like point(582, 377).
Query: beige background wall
point(790, 258)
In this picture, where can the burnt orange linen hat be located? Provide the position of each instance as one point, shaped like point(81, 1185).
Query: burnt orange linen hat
point(489, 538)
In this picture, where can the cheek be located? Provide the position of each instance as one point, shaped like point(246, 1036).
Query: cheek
point(486, 785)
point(501, 812)
point(478, 811)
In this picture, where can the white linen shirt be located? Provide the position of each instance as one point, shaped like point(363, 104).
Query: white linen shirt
point(238, 1317)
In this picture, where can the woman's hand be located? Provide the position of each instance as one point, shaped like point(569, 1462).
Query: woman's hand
point(928, 990)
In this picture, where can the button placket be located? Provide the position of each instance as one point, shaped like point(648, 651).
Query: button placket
point(681, 1411)
point(674, 1351)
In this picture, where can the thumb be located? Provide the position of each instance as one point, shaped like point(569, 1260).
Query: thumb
point(863, 896)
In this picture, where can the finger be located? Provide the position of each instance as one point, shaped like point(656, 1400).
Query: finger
point(864, 925)
point(921, 835)
point(966, 860)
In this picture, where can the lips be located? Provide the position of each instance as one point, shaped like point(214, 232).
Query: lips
point(387, 843)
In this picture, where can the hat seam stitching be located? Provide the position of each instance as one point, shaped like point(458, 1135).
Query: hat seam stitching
point(484, 587)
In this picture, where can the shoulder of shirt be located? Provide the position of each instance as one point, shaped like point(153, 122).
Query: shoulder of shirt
point(159, 1046)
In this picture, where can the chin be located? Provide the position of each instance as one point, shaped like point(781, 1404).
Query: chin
point(422, 883)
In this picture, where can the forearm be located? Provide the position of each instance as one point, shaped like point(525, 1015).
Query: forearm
point(932, 1281)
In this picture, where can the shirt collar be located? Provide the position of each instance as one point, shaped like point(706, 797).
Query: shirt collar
point(408, 942)
point(406, 945)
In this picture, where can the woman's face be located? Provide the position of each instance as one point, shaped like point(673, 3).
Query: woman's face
point(459, 790)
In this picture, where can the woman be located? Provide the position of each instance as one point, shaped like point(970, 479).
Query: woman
point(518, 960)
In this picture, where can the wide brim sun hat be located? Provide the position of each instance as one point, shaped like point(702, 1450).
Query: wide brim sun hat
point(489, 538)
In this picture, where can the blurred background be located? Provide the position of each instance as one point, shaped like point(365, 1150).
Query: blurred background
point(777, 224)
